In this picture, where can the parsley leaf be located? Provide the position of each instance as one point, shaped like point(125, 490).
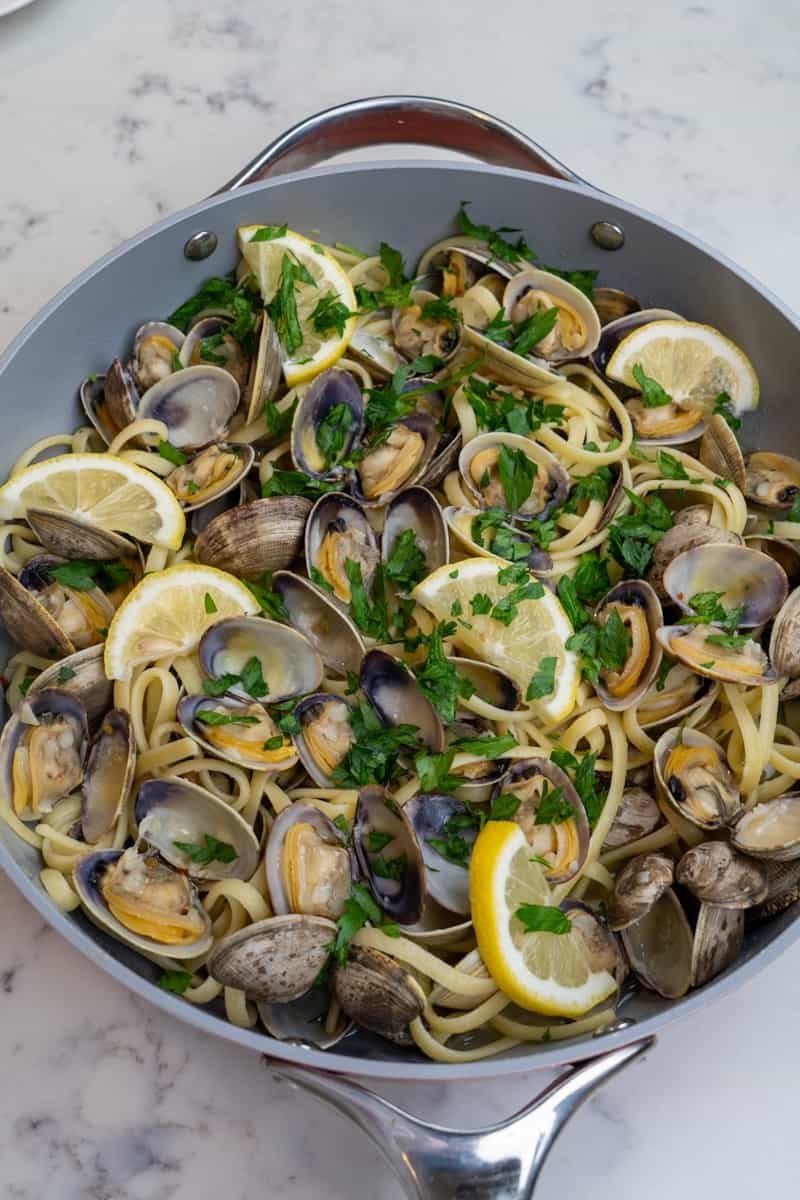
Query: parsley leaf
point(208, 851)
point(632, 537)
point(329, 313)
point(723, 405)
point(553, 807)
point(504, 807)
point(517, 473)
point(223, 293)
point(440, 309)
point(439, 679)
point(172, 453)
point(582, 279)
point(268, 233)
point(83, 574)
point(397, 293)
point(371, 617)
point(500, 248)
point(271, 603)
point(331, 433)
point(209, 717)
point(406, 564)
point(373, 756)
point(543, 680)
point(591, 577)
point(433, 771)
point(543, 918)
point(584, 780)
point(208, 603)
point(282, 308)
point(295, 483)
point(487, 745)
point(653, 394)
point(175, 981)
point(531, 331)
point(64, 676)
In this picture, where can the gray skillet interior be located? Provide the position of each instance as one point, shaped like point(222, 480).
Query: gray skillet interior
point(410, 204)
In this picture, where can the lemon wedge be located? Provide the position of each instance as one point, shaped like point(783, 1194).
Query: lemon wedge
point(542, 972)
point(319, 349)
point(109, 492)
point(693, 363)
point(539, 629)
point(169, 611)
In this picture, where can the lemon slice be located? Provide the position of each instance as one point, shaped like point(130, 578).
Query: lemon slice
point(694, 363)
point(168, 612)
point(318, 350)
point(539, 629)
point(543, 972)
point(109, 492)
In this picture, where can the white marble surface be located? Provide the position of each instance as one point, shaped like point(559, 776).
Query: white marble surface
point(112, 115)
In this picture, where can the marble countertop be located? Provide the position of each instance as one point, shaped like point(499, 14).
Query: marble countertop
point(114, 116)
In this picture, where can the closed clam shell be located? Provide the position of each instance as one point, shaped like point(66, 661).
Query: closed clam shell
point(784, 642)
point(638, 887)
point(718, 938)
point(265, 373)
point(659, 947)
point(263, 535)
point(720, 452)
point(637, 815)
point(378, 993)
point(119, 403)
point(275, 960)
point(717, 874)
point(783, 889)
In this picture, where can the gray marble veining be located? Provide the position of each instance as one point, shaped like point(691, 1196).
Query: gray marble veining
point(113, 117)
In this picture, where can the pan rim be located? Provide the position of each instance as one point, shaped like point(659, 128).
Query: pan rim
point(520, 1061)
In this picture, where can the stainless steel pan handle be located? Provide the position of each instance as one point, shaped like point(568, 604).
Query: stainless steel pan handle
point(500, 1162)
point(423, 120)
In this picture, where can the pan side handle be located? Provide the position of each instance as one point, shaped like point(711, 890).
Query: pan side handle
point(500, 1162)
point(422, 120)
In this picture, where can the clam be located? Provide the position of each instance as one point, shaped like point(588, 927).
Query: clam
point(488, 539)
point(718, 938)
point(81, 614)
point(685, 535)
point(266, 372)
point(240, 732)
point(209, 341)
point(771, 480)
point(389, 855)
point(490, 683)
point(377, 353)
point(720, 452)
point(743, 578)
point(639, 610)
point(301, 1022)
point(397, 462)
point(275, 960)
point(679, 693)
point(119, 404)
point(337, 532)
point(325, 734)
point(718, 874)
point(693, 777)
point(186, 824)
point(445, 833)
point(416, 512)
point(378, 993)
point(576, 331)
point(108, 777)
point(290, 666)
point(612, 304)
point(155, 348)
point(71, 536)
point(550, 813)
point(479, 773)
point(462, 261)
point(142, 902)
point(398, 699)
point(785, 553)
point(42, 752)
point(82, 675)
point(29, 623)
point(667, 424)
point(196, 405)
point(783, 888)
point(770, 830)
point(213, 472)
point(262, 535)
point(601, 945)
point(419, 333)
point(614, 331)
point(332, 634)
point(707, 651)
point(638, 887)
point(328, 423)
point(637, 815)
point(784, 642)
point(659, 947)
point(479, 464)
point(92, 394)
point(307, 864)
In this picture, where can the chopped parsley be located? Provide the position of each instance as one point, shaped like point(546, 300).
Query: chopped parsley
point(499, 247)
point(172, 454)
point(397, 293)
point(486, 745)
point(603, 647)
point(282, 308)
point(440, 309)
point(504, 807)
point(330, 314)
point(175, 981)
point(723, 405)
point(584, 780)
point(596, 486)
point(208, 851)
point(406, 564)
point(543, 918)
point(553, 807)
point(209, 717)
point(208, 603)
point(582, 278)
point(543, 680)
point(438, 679)
point(83, 574)
point(250, 679)
point(531, 331)
point(332, 431)
point(707, 610)
point(373, 756)
point(591, 579)
point(653, 394)
point(268, 233)
point(223, 293)
point(64, 676)
point(271, 603)
point(371, 616)
point(295, 483)
point(497, 409)
point(632, 536)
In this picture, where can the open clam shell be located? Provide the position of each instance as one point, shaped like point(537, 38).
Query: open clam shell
point(224, 351)
point(290, 665)
point(92, 395)
point(325, 734)
point(577, 329)
point(398, 462)
point(461, 522)
point(28, 622)
point(42, 752)
point(334, 391)
point(311, 611)
point(301, 1022)
point(378, 993)
point(771, 829)
point(196, 405)
point(746, 578)
point(444, 828)
point(437, 927)
point(685, 535)
point(275, 960)
point(262, 535)
point(550, 814)
point(785, 553)
point(163, 908)
point(612, 304)
point(266, 372)
point(614, 331)
point(119, 404)
point(377, 353)
point(213, 472)
point(746, 664)
point(640, 612)
point(389, 855)
point(398, 699)
point(417, 334)
point(478, 466)
point(248, 743)
point(693, 777)
point(682, 691)
point(337, 532)
point(491, 683)
point(417, 510)
point(172, 813)
point(659, 947)
point(83, 675)
point(771, 480)
point(108, 777)
point(307, 865)
point(155, 345)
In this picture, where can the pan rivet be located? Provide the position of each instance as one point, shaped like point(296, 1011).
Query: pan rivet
point(607, 235)
point(200, 245)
